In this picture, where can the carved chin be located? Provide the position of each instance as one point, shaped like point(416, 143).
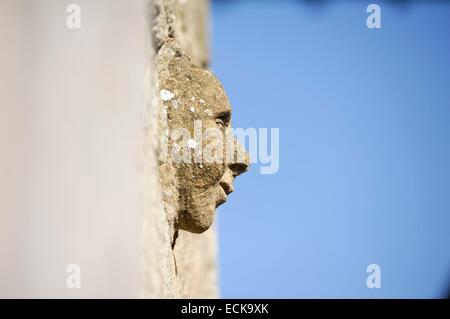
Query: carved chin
point(199, 216)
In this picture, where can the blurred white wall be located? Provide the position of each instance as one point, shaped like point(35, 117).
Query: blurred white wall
point(71, 131)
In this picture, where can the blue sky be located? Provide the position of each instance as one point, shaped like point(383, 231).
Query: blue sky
point(364, 148)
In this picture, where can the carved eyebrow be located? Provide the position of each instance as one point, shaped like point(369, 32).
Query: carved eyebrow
point(224, 115)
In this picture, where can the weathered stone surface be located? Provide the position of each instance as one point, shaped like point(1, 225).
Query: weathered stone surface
point(186, 94)
point(187, 22)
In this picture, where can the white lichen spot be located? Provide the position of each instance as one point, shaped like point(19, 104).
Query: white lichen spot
point(166, 95)
point(193, 98)
point(201, 165)
point(191, 143)
point(208, 112)
point(192, 109)
point(202, 101)
point(175, 104)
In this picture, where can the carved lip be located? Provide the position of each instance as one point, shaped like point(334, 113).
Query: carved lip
point(222, 196)
point(225, 187)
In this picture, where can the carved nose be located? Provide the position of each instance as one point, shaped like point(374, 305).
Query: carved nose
point(239, 168)
point(227, 182)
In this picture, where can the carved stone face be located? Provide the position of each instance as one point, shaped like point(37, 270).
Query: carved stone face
point(196, 103)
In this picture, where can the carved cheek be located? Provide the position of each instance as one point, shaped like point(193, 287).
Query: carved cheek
point(208, 176)
point(212, 168)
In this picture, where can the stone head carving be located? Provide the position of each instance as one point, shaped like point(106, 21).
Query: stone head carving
point(199, 122)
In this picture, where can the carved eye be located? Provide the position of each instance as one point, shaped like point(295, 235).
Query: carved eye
point(220, 122)
point(223, 119)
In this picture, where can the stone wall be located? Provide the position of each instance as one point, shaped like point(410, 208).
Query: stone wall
point(176, 263)
point(83, 182)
